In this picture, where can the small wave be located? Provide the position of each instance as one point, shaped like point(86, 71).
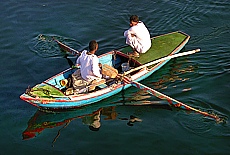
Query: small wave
point(215, 33)
point(202, 125)
point(45, 46)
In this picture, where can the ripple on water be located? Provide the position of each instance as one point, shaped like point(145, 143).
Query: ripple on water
point(202, 125)
point(44, 45)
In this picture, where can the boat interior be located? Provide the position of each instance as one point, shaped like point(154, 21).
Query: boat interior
point(117, 60)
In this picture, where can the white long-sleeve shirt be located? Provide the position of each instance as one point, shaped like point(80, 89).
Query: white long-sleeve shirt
point(90, 69)
point(141, 40)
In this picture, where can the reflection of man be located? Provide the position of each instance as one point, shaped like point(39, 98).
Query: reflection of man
point(93, 121)
point(109, 112)
point(132, 120)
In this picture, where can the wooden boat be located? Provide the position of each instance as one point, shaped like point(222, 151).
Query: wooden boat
point(50, 93)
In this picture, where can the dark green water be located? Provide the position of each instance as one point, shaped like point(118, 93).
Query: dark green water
point(200, 80)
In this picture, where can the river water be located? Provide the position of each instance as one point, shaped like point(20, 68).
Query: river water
point(28, 56)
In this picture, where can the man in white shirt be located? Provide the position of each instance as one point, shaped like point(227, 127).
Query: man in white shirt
point(137, 36)
point(91, 73)
point(89, 63)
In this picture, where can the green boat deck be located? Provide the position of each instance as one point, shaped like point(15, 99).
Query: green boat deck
point(161, 46)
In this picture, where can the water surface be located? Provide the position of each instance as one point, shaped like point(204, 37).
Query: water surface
point(200, 80)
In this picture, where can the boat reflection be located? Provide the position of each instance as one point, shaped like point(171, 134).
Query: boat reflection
point(90, 116)
point(42, 120)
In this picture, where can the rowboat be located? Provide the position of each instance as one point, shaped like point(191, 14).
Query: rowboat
point(50, 93)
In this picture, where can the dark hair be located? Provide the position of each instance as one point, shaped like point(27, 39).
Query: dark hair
point(134, 18)
point(92, 45)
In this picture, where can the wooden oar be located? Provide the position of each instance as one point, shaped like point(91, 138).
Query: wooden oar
point(162, 59)
point(67, 48)
point(170, 100)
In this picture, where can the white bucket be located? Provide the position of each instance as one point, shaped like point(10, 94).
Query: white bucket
point(125, 67)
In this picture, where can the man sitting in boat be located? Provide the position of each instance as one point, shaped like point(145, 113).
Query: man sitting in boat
point(137, 36)
point(91, 73)
point(89, 62)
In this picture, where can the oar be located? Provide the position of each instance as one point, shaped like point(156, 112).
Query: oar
point(170, 100)
point(70, 62)
point(59, 132)
point(67, 48)
point(162, 59)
